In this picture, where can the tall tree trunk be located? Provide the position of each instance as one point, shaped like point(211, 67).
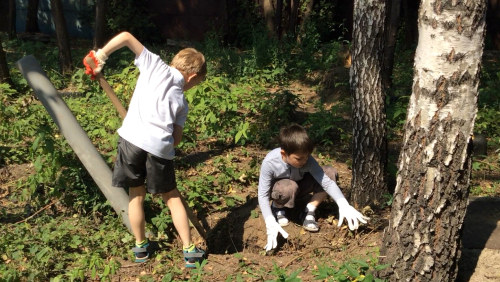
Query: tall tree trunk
point(278, 18)
point(493, 22)
point(422, 241)
point(268, 8)
point(410, 8)
point(32, 16)
point(305, 19)
point(293, 17)
point(12, 19)
point(391, 32)
point(369, 181)
point(4, 68)
point(100, 23)
point(62, 37)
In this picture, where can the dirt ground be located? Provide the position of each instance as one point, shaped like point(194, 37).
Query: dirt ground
point(236, 239)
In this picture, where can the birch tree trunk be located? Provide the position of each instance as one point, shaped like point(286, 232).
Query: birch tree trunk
point(369, 133)
point(422, 241)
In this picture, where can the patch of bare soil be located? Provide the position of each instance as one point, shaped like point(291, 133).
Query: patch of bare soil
point(236, 239)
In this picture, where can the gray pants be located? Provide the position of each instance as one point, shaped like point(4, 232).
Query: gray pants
point(286, 192)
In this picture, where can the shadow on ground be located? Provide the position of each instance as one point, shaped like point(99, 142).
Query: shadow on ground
point(481, 231)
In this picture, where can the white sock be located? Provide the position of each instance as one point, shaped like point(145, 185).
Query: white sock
point(310, 208)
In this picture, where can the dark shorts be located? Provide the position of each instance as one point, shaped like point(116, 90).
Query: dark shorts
point(134, 167)
point(286, 192)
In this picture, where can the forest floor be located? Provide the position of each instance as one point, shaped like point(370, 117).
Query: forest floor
point(236, 237)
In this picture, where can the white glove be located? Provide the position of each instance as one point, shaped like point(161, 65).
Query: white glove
point(273, 228)
point(101, 60)
point(351, 215)
point(94, 62)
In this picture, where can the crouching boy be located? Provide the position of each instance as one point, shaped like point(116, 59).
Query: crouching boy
point(289, 173)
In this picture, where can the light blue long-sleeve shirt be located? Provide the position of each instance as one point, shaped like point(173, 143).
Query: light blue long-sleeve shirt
point(274, 168)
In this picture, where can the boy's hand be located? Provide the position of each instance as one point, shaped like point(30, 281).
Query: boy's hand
point(351, 215)
point(94, 62)
point(273, 228)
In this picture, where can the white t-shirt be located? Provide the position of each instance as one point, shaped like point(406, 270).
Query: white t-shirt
point(157, 104)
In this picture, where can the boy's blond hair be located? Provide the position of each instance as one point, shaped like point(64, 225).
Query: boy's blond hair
point(190, 61)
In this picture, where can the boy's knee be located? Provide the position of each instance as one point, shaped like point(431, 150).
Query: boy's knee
point(170, 194)
point(331, 172)
point(139, 191)
point(283, 191)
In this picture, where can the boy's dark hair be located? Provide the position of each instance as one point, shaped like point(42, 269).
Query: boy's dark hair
point(294, 139)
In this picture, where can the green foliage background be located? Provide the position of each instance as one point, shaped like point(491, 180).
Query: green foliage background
point(79, 238)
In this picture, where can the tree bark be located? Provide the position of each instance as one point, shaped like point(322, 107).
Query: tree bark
point(493, 22)
point(4, 68)
point(12, 19)
point(62, 37)
point(391, 32)
point(100, 24)
point(369, 181)
point(293, 16)
point(422, 241)
point(305, 19)
point(278, 18)
point(410, 8)
point(32, 16)
point(268, 8)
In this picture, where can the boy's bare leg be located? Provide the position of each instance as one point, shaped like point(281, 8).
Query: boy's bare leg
point(317, 198)
point(179, 216)
point(136, 212)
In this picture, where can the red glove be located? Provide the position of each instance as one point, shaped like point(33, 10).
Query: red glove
point(94, 62)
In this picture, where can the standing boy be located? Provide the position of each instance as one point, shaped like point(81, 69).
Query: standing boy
point(150, 131)
point(289, 173)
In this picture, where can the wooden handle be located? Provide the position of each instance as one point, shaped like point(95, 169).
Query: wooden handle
point(107, 88)
point(112, 96)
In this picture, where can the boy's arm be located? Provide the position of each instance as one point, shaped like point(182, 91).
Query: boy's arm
point(272, 226)
point(177, 134)
point(95, 60)
point(121, 40)
point(351, 215)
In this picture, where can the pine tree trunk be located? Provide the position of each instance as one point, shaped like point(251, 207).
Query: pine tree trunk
point(369, 134)
point(410, 8)
point(268, 8)
point(32, 16)
point(305, 19)
point(100, 24)
point(4, 68)
point(422, 241)
point(391, 31)
point(293, 16)
point(278, 18)
point(12, 19)
point(62, 37)
point(493, 22)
